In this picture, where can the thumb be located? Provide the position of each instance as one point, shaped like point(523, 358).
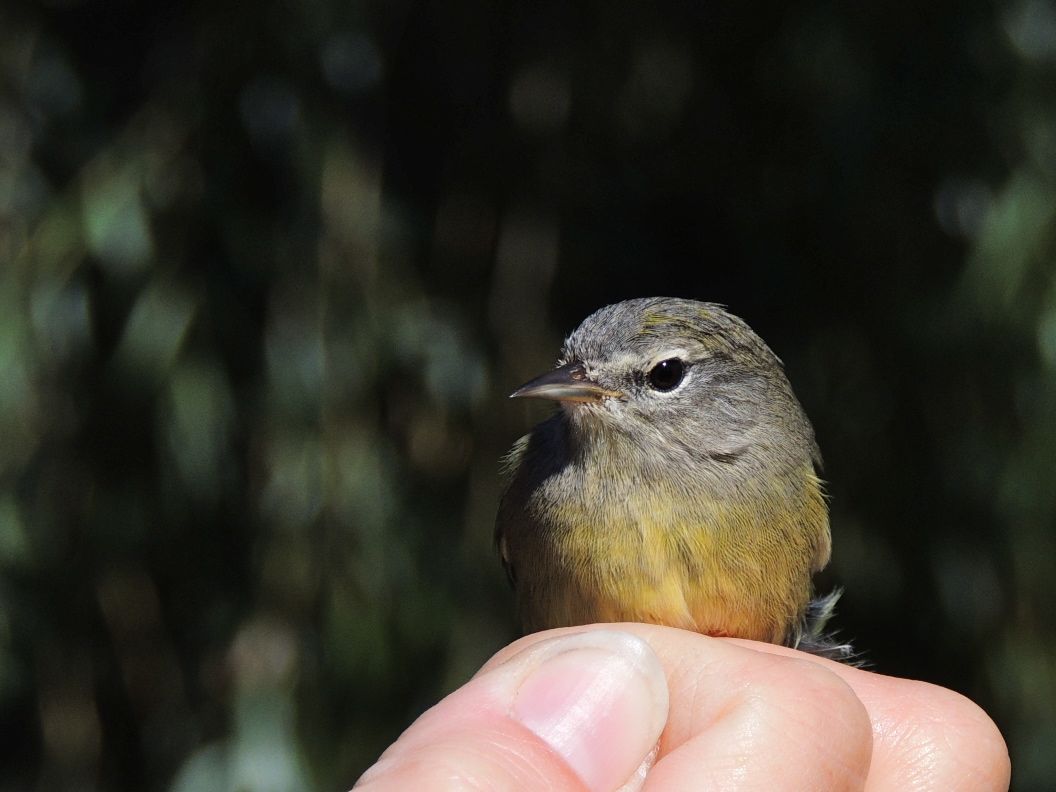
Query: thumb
point(582, 711)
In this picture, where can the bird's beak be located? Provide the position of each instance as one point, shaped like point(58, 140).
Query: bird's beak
point(569, 383)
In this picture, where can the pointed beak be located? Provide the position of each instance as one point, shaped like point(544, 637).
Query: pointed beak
point(569, 383)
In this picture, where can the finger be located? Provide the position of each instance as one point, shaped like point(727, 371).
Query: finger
point(741, 719)
point(573, 712)
point(760, 722)
point(925, 737)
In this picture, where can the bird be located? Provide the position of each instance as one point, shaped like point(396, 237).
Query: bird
point(678, 483)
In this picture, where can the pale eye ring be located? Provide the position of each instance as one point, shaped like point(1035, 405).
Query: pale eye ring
point(666, 375)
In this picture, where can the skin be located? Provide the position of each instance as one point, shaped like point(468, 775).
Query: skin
point(659, 708)
point(696, 506)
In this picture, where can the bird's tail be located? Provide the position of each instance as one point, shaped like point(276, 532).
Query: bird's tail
point(810, 634)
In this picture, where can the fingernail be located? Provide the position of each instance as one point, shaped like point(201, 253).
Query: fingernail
point(599, 699)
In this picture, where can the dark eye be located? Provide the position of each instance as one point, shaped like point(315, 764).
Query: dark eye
point(666, 375)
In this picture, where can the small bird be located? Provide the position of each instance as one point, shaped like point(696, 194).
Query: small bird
point(677, 484)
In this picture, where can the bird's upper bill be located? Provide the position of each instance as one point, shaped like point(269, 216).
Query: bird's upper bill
point(568, 383)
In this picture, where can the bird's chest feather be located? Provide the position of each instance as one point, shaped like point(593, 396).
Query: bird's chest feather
point(639, 527)
point(620, 546)
point(626, 548)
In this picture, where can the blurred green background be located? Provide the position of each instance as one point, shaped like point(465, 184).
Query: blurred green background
point(268, 272)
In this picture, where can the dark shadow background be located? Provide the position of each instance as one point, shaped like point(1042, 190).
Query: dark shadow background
point(268, 271)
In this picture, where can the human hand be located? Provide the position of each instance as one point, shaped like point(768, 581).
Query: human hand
point(635, 706)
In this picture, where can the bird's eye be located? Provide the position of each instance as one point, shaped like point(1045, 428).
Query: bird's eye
point(666, 375)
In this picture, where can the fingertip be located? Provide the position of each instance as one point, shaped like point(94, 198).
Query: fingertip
point(599, 699)
point(577, 711)
point(935, 738)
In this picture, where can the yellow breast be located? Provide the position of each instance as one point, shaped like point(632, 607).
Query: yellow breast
point(623, 552)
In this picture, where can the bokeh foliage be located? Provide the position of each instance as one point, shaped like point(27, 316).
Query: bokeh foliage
point(268, 271)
